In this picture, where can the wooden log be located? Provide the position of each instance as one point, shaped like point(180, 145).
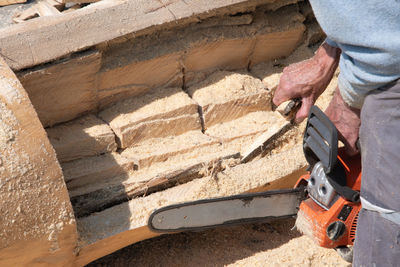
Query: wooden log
point(159, 113)
point(37, 216)
point(64, 90)
point(114, 226)
point(83, 137)
point(226, 96)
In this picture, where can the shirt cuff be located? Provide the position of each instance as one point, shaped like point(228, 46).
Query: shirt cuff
point(331, 43)
point(351, 96)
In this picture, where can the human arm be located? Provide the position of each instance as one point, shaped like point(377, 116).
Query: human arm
point(346, 119)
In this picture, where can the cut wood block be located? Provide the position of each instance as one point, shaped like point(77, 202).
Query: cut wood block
point(160, 149)
point(225, 96)
point(95, 169)
point(114, 226)
point(62, 91)
point(119, 82)
point(83, 137)
point(159, 113)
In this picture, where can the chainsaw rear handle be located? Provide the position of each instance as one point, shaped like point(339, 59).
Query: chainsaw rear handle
point(320, 144)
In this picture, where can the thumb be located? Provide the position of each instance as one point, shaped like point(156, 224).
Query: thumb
point(306, 104)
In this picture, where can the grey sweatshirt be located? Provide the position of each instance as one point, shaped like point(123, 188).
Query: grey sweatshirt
point(368, 33)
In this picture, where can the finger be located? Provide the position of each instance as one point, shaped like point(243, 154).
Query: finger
point(306, 104)
point(279, 96)
point(283, 92)
point(351, 147)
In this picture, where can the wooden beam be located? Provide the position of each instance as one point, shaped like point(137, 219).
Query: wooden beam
point(44, 39)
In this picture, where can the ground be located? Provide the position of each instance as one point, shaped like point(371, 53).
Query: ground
point(268, 244)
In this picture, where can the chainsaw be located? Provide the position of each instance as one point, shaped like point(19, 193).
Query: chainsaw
point(326, 200)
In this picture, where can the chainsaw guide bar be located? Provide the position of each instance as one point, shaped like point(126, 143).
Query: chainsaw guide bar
point(233, 210)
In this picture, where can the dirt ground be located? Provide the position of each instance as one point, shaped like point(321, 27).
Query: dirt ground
point(268, 244)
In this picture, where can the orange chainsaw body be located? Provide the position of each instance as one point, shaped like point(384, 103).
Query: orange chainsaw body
point(321, 224)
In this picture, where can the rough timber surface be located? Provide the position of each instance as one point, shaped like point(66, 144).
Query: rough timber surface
point(73, 31)
point(37, 217)
point(83, 137)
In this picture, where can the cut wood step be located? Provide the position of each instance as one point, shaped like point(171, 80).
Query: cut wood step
point(95, 169)
point(116, 226)
point(165, 157)
point(168, 156)
point(178, 161)
point(225, 96)
point(160, 149)
point(159, 113)
point(83, 137)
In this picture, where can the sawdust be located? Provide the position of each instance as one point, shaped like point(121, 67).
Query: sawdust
point(269, 244)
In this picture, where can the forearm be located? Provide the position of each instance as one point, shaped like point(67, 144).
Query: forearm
point(328, 57)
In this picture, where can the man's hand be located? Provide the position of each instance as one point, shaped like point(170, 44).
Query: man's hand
point(307, 79)
point(346, 120)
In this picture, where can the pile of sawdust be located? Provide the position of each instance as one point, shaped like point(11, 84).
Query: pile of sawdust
point(273, 244)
